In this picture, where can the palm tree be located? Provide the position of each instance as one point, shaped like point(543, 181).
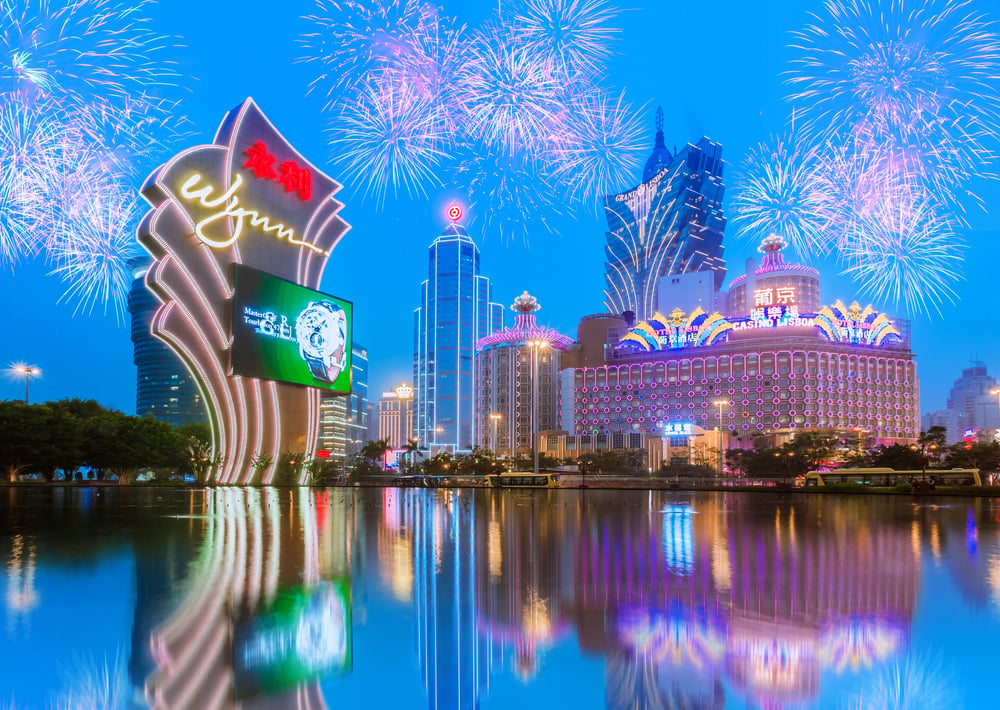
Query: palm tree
point(408, 449)
point(374, 452)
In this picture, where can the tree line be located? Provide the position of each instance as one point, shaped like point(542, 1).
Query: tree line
point(70, 437)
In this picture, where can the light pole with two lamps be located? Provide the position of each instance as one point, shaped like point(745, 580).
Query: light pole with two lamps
point(720, 403)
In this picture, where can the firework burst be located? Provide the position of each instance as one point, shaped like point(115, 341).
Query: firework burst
point(783, 187)
point(92, 259)
point(354, 39)
point(923, 81)
point(74, 50)
point(390, 138)
point(575, 35)
point(515, 195)
point(905, 250)
point(510, 94)
point(597, 149)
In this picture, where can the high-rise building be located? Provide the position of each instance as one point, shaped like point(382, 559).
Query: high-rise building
point(510, 365)
point(395, 416)
point(164, 387)
point(671, 223)
point(970, 406)
point(455, 311)
point(343, 419)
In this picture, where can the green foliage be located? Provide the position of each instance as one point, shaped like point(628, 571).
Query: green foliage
point(984, 456)
point(627, 461)
point(70, 434)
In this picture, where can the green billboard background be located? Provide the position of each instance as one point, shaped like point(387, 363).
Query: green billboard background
point(289, 333)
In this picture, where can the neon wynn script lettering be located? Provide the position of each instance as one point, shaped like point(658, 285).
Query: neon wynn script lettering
point(228, 202)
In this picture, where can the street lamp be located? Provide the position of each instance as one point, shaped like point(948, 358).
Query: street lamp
point(996, 392)
point(720, 403)
point(495, 419)
point(26, 371)
point(535, 346)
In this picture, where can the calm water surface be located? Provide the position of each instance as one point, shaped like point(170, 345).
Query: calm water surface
point(461, 599)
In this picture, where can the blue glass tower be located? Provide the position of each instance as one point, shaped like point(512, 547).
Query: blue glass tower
point(455, 311)
point(671, 223)
point(164, 387)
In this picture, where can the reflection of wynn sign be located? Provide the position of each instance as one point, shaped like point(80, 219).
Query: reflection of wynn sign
point(643, 187)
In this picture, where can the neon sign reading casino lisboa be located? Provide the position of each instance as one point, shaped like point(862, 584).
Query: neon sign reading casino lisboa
point(241, 230)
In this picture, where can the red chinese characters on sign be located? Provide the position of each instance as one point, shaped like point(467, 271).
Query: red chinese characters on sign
point(293, 176)
point(296, 179)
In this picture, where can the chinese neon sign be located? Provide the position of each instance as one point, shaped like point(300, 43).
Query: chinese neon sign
point(294, 177)
point(677, 429)
point(773, 317)
point(781, 296)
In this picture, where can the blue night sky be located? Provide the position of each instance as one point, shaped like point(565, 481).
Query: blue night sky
point(715, 68)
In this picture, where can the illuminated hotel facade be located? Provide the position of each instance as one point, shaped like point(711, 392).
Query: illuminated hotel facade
point(395, 416)
point(777, 363)
point(670, 224)
point(510, 364)
point(455, 311)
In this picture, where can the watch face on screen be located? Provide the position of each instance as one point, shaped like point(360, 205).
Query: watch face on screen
point(321, 332)
point(286, 332)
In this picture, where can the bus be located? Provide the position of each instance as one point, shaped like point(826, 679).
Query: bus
point(517, 479)
point(888, 477)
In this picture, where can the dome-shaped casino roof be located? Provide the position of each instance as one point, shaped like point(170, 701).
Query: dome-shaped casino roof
point(661, 157)
point(525, 328)
point(773, 261)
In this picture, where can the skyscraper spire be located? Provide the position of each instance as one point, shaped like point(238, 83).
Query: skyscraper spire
point(659, 128)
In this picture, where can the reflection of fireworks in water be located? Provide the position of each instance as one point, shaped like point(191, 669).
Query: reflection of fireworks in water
point(905, 250)
point(782, 188)
point(76, 49)
point(97, 684)
point(92, 258)
point(916, 683)
point(574, 35)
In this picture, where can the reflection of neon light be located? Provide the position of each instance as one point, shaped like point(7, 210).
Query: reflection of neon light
point(857, 642)
point(231, 208)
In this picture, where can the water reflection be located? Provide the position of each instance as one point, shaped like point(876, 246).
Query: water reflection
point(261, 597)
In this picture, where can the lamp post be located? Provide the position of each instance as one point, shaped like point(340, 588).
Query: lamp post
point(996, 392)
point(720, 403)
point(535, 345)
point(26, 371)
point(495, 419)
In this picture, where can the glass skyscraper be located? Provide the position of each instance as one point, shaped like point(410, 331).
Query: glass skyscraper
point(455, 311)
point(671, 223)
point(164, 387)
point(343, 419)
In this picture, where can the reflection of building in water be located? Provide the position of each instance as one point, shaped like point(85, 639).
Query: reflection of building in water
point(22, 596)
point(680, 597)
point(454, 658)
point(517, 579)
point(255, 544)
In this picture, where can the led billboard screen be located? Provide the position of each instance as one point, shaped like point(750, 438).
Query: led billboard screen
point(286, 332)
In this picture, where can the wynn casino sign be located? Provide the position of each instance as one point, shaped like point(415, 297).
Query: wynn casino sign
point(241, 230)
